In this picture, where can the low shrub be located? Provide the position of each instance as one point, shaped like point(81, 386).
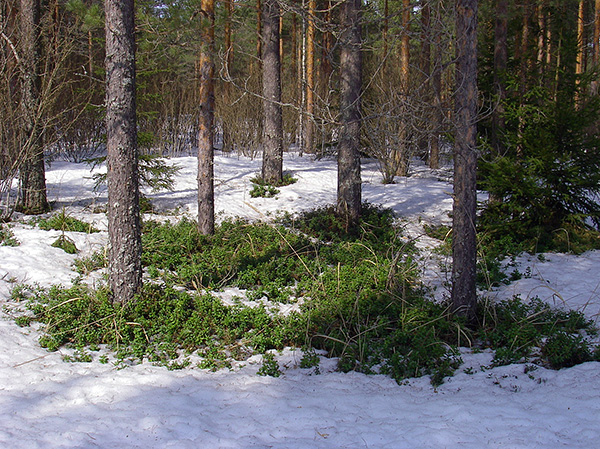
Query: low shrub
point(63, 222)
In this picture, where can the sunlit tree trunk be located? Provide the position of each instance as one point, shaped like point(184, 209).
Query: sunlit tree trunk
point(580, 63)
point(464, 241)
point(541, 20)
point(401, 154)
point(272, 167)
point(425, 74)
point(310, 78)
point(349, 177)
point(32, 173)
point(206, 195)
point(125, 268)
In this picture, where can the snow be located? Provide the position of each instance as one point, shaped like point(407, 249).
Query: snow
point(48, 403)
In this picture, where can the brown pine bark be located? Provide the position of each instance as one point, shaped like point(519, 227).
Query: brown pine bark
point(272, 166)
point(229, 36)
point(464, 241)
point(579, 67)
point(310, 77)
point(326, 67)
point(125, 268)
point(436, 84)
point(32, 173)
point(206, 94)
point(349, 190)
point(401, 154)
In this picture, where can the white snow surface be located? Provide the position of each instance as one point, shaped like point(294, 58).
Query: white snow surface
point(48, 403)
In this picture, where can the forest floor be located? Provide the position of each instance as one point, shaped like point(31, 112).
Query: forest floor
point(46, 402)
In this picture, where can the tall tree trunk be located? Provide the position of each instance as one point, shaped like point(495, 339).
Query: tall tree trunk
point(541, 20)
point(272, 167)
point(597, 32)
point(125, 268)
point(438, 115)
point(500, 65)
point(401, 155)
point(349, 177)
point(596, 47)
point(464, 241)
point(384, 32)
point(206, 193)
point(228, 36)
point(326, 56)
point(310, 78)
point(32, 173)
point(580, 63)
point(425, 74)
point(259, 25)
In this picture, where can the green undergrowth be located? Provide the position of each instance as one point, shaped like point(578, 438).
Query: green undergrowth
point(64, 222)
point(532, 330)
point(357, 292)
point(7, 237)
point(263, 189)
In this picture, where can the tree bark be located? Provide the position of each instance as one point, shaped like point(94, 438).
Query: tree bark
point(500, 65)
point(310, 77)
point(596, 46)
point(228, 36)
point(580, 63)
point(272, 167)
point(438, 114)
point(206, 194)
point(596, 32)
point(125, 269)
point(425, 75)
point(32, 173)
point(464, 241)
point(349, 177)
point(401, 155)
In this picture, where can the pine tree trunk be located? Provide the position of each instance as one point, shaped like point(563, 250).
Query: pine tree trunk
point(464, 241)
point(272, 167)
point(32, 173)
point(259, 25)
point(401, 155)
point(425, 74)
point(125, 269)
point(597, 32)
point(206, 195)
point(437, 117)
point(310, 78)
point(229, 36)
point(580, 63)
point(596, 47)
point(500, 65)
point(349, 177)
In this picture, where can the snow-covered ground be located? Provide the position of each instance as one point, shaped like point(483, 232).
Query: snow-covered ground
point(48, 403)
